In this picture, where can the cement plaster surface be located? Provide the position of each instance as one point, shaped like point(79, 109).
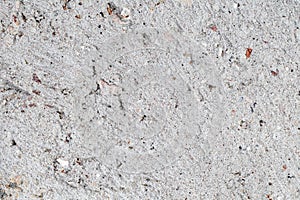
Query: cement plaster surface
point(161, 99)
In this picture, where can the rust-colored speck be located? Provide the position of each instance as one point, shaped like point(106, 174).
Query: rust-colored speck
point(248, 52)
point(36, 78)
point(284, 167)
point(32, 105)
point(269, 197)
point(214, 28)
point(15, 18)
point(37, 92)
point(275, 73)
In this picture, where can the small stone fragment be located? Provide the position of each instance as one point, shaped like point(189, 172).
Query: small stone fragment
point(248, 52)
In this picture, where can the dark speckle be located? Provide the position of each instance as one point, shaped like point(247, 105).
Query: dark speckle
point(274, 73)
point(36, 78)
point(2, 193)
point(24, 17)
point(12, 185)
point(143, 118)
point(61, 114)
point(13, 143)
point(290, 176)
point(261, 122)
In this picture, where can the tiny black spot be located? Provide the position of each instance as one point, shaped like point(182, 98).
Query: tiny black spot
point(261, 122)
point(143, 118)
point(290, 176)
point(13, 143)
point(101, 13)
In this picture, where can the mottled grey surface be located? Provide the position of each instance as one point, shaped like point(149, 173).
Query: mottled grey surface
point(160, 99)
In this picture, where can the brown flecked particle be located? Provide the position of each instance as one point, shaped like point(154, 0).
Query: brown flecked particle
point(36, 78)
point(248, 52)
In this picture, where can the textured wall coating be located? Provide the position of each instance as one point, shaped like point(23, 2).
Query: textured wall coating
point(155, 99)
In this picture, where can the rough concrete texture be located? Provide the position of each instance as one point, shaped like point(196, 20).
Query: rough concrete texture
point(151, 99)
